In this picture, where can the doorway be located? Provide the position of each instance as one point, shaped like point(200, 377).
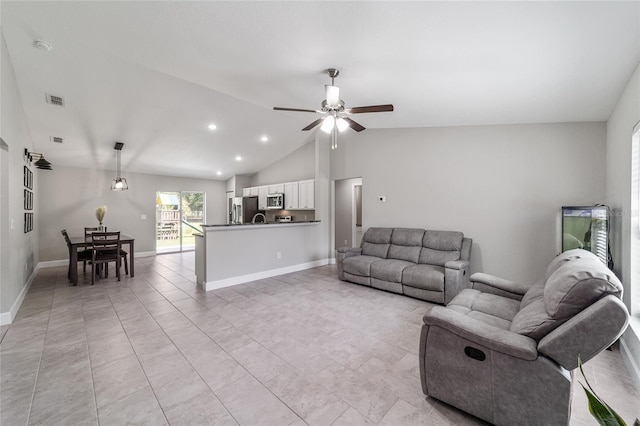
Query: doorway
point(179, 215)
point(348, 212)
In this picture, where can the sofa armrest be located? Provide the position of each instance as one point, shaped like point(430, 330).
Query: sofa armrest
point(343, 253)
point(457, 264)
point(493, 338)
point(489, 284)
point(455, 278)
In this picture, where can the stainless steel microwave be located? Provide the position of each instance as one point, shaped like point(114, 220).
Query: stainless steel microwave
point(275, 201)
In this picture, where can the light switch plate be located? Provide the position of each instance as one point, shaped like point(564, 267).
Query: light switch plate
point(143, 217)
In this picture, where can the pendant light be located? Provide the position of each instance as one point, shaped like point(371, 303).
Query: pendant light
point(119, 183)
point(41, 163)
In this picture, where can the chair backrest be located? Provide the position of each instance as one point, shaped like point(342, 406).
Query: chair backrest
point(439, 247)
point(89, 231)
point(105, 243)
point(376, 242)
point(66, 237)
point(576, 311)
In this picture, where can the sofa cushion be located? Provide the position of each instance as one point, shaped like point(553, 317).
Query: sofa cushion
point(488, 308)
point(577, 284)
point(376, 241)
point(565, 257)
point(426, 277)
point(359, 265)
point(533, 320)
point(535, 292)
point(439, 247)
point(406, 244)
point(389, 269)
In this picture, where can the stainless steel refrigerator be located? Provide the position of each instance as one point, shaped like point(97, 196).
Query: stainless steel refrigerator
point(244, 209)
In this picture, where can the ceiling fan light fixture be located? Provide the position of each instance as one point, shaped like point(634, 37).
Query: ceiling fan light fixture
point(332, 95)
point(342, 124)
point(327, 124)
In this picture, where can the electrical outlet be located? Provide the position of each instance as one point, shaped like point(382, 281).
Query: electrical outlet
point(345, 242)
point(279, 255)
point(143, 217)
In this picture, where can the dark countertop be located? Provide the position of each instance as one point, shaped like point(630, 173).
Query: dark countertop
point(260, 223)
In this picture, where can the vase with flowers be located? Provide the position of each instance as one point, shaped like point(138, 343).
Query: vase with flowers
point(100, 212)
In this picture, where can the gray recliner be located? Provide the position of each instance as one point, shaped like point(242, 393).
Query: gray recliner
point(505, 352)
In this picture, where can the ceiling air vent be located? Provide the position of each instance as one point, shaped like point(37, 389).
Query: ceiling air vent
point(55, 100)
point(56, 139)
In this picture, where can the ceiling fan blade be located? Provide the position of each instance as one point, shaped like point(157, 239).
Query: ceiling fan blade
point(354, 125)
point(294, 109)
point(372, 108)
point(314, 124)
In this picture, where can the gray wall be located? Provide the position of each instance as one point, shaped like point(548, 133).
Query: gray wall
point(503, 186)
point(299, 165)
point(625, 115)
point(69, 197)
point(344, 213)
point(19, 250)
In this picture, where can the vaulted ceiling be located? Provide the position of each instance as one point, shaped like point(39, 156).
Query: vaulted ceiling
point(154, 74)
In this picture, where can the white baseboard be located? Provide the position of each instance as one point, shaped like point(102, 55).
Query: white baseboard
point(53, 263)
point(629, 358)
point(8, 317)
point(65, 262)
point(228, 282)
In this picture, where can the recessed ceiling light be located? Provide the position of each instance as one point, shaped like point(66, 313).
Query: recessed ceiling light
point(42, 45)
point(218, 172)
point(238, 158)
point(264, 139)
point(212, 126)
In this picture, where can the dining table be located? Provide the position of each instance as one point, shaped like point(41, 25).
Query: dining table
point(85, 242)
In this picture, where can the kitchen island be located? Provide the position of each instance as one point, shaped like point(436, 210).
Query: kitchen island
point(227, 255)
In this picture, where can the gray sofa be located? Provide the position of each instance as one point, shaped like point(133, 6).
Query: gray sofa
point(428, 265)
point(505, 352)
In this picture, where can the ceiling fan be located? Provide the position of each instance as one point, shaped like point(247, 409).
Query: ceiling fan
point(335, 116)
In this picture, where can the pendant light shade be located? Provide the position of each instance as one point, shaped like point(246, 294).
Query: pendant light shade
point(119, 183)
point(41, 163)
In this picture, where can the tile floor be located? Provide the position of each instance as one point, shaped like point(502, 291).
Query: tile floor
point(302, 348)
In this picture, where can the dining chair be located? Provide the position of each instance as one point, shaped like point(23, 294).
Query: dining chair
point(83, 255)
point(87, 233)
point(106, 248)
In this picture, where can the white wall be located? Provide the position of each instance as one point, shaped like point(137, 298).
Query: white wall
point(299, 165)
point(69, 197)
point(19, 250)
point(503, 186)
point(625, 115)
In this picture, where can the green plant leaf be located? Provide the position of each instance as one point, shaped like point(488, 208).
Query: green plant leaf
point(604, 414)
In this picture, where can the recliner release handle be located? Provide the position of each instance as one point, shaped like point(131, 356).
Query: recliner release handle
point(474, 353)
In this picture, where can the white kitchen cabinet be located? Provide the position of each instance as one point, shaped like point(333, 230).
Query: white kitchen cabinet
point(262, 197)
point(277, 188)
point(246, 192)
point(306, 194)
point(253, 191)
point(291, 195)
